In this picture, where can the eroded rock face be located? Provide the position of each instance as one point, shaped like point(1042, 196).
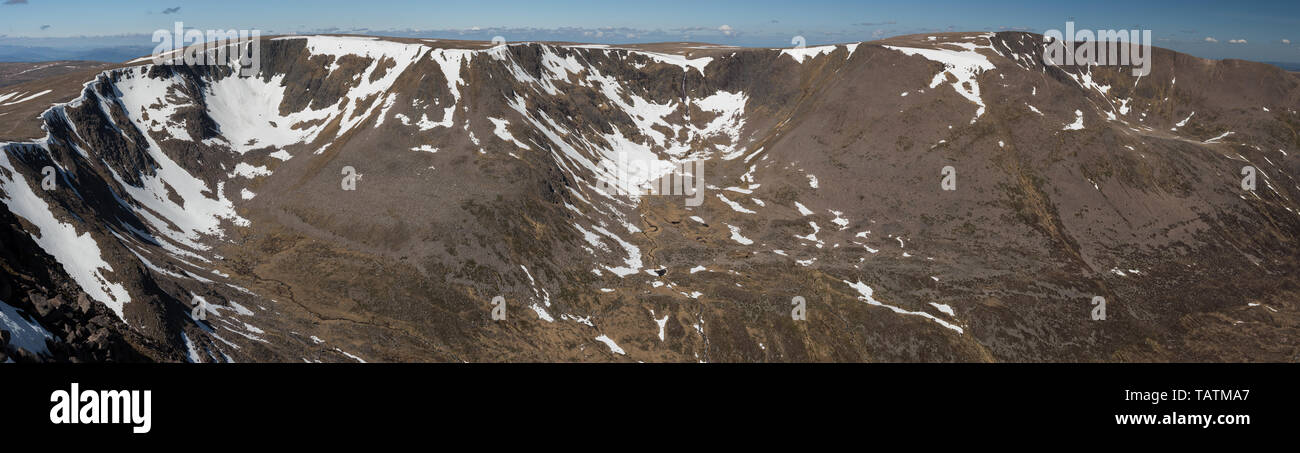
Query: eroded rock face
point(198, 215)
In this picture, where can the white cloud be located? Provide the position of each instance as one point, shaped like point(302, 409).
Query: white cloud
point(1286, 41)
point(726, 29)
point(1236, 41)
point(1210, 39)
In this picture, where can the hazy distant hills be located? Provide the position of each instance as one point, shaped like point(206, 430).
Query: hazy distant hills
point(10, 53)
point(1294, 67)
point(123, 53)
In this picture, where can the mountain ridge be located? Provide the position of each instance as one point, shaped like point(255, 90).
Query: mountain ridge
point(774, 125)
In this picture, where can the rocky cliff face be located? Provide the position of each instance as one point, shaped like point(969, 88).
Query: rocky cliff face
point(186, 213)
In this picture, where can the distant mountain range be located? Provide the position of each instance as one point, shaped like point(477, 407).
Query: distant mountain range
point(1294, 67)
point(33, 54)
point(121, 54)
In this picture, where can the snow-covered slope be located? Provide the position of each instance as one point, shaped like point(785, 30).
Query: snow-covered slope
point(366, 199)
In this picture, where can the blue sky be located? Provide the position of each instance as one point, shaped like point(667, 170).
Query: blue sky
point(1203, 28)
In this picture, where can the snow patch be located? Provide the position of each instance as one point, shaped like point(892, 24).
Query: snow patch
point(613, 347)
point(79, 254)
point(865, 294)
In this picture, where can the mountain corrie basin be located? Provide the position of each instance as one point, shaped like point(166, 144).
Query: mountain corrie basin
point(195, 215)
